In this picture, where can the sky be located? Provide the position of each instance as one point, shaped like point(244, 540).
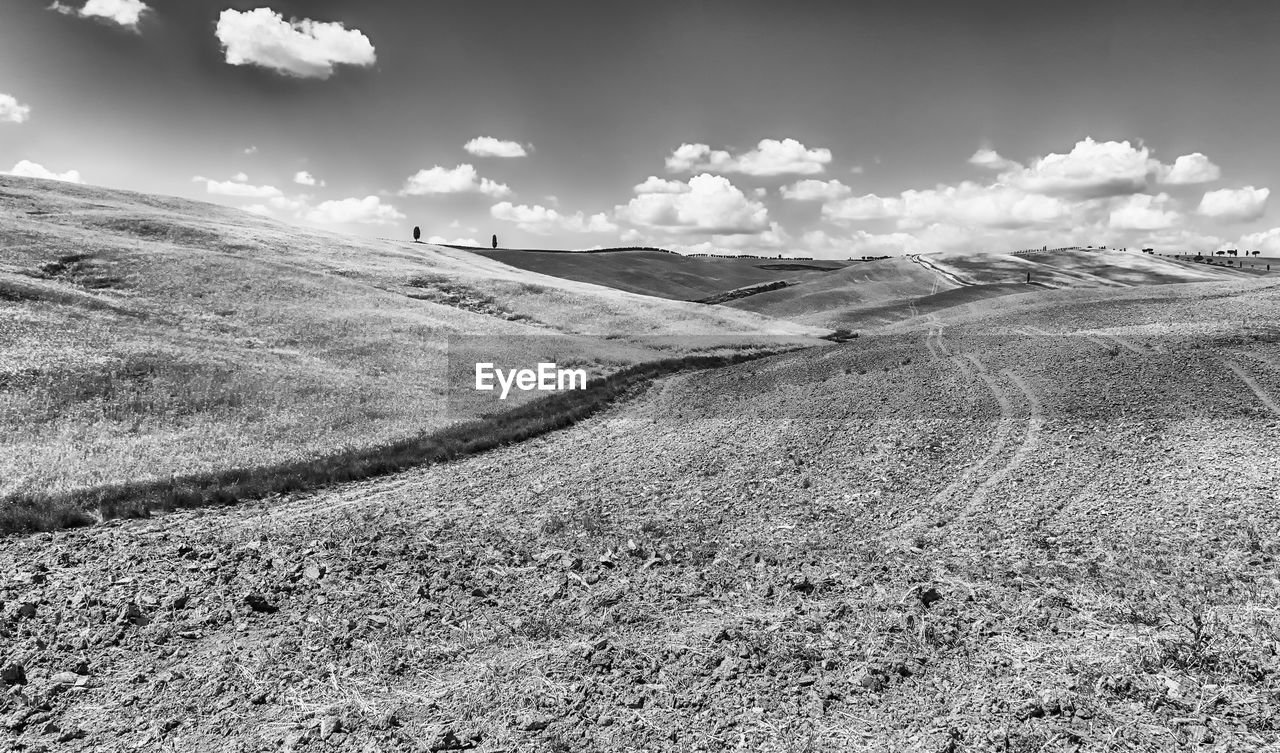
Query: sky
point(828, 129)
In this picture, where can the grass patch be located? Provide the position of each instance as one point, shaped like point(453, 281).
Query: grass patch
point(27, 512)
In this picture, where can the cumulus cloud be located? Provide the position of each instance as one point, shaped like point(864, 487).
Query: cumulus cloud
point(654, 184)
point(1266, 241)
point(770, 157)
point(304, 178)
point(251, 150)
point(1235, 204)
point(367, 211)
point(487, 146)
point(29, 169)
point(820, 244)
point(461, 179)
point(968, 203)
point(543, 221)
point(1143, 212)
point(304, 49)
point(1091, 169)
point(126, 13)
point(440, 240)
point(816, 190)
point(1190, 169)
point(991, 159)
point(13, 111)
point(711, 205)
point(238, 188)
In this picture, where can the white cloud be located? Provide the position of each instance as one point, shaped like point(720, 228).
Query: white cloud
point(858, 243)
point(305, 48)
point(711, 205)
point(240, 178)
point(1190, 169)
point(367, 211)
point(1143, 212)
point(1266, 241)
point(487, 146)
point(1091, 169)
point(461, 179)
point(816, 190)
point(237, 188)
point(689, 157)
point(126, 13)
point(13, 111)
point(441, 241)
point(968, 203)
point(654, 184)
point(770, 157)
point(251, 150)
point(1235, 204)
point(992, 160)
point(28, 169)
point(304, 178)
point(543, 221)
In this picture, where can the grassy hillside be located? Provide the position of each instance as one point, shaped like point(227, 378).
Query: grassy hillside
point(665, 275)
point(1082, 269)
point(889, 290)
point(853, 297)
point(145, 336)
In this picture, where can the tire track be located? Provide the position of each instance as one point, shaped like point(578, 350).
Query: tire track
point(1004, 427)
point(1253, 385)
point(1107, 341)
point(1027, 445)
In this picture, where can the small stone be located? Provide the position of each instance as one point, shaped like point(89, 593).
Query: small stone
point(26, 610)
point(328, 726)
point(602, 659)
point(872, 682)
point(806, 681)
point(65, 678)
point(71, 733)
point(534, 721)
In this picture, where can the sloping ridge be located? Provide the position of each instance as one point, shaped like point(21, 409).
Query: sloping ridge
point(663, 274)
point(166, 336)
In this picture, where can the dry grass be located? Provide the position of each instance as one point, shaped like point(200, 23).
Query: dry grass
point(144, 338)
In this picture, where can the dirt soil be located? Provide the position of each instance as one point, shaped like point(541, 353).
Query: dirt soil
point(1033, 523)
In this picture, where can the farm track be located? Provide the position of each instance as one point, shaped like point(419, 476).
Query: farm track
point(1262, 394)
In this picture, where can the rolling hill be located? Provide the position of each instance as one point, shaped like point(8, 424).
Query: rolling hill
point(663, 274)
point(146, 336)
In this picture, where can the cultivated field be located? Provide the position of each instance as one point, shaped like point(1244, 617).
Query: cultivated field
point(666, 275)
point(1035, 522)
point(146, 337)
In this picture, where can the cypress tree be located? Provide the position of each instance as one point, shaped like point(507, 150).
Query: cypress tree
point(495, 240)
point(417, 233)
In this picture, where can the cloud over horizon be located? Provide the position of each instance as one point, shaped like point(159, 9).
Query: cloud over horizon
point(770, 157)
point(28, 169)
point(460, 179)
point(541, 220)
